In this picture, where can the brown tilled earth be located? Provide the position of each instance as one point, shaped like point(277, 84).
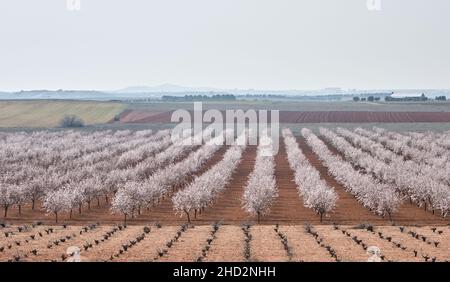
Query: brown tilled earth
point(324, 243)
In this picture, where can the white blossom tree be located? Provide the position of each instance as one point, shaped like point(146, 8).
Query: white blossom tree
point(123, 203)
point(7, 197)
point(56, 202)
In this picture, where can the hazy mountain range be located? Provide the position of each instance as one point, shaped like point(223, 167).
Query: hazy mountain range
point(136, 92)
point(166, 88)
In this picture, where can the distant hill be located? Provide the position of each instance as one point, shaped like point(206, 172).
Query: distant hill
point(59, 94)
point(165, 88)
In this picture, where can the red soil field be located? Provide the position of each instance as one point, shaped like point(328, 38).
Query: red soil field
point(362, 117)
point(136, 116)
point(142, 116)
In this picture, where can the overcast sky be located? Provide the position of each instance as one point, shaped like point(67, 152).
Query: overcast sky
point(260, 44)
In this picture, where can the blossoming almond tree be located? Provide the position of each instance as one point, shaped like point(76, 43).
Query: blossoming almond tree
point(56, 201)
point(7, 197)
point(123, 203)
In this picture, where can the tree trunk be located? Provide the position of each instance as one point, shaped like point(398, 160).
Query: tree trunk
point(195, 214)
point(32, 204)
point(56, 217)
point(125, 219)
point(106, 198)
point(20, 209)
point(70, 216)
point(187, 213)
point(6, 211)
point(259, 215)
point(89, 204)
point(390, 216)
point(321, 216)
point(98, 202)
point(79, 208)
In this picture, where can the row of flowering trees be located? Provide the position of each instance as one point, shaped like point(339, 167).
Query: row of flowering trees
point(314, 191)
point(205, 189)
point(411, 147)
point(424, 186)
point(432, 159)
point(437, 144)
point(261, 189)
point(380, 198)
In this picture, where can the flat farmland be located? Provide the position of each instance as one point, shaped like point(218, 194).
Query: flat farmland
point(46, 113)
